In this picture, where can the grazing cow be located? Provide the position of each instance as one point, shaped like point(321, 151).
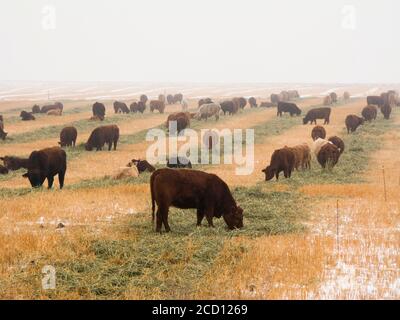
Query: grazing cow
point(45, 164)
point(292, 108)
point(267, 105)
point(242, 102)
point(120, 107)
point(369, 113)
point(137, 107)
point(317, 113)
point(170, 99)
point(161, 97)
point(178, 98)
point(328, 155)
point(143, 98)
point(386, 110)
point(281, 160)
point(204, 101)
point(229, 107)
point(302, 154)
point(333, 96)
point(337, 142)
point(141, 165)
point(99, 110)
point(126, 172)
point(54, 112)
point(102, 135)
point(318, 132)
point(375, 100)
point(327, 101)
point(26, 116)
point(179, 162)
point(68, 137)
point(208, 110)
point(14, 163)
point(157, 105)
point(186, 189)
point(3, 170)
point(275, 98)
point(353, 122)
point(182, 120)
point(346, 96)
point(252, 102)
point(35, 109)
point(55, 106)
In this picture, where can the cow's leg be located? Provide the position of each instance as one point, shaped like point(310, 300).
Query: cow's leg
point(164, 214)
point(209, 213)
point(61, 177)
point(158, 220)
point(50, 180)
point(200, 216)
point(277, 175)
point(115, 144)
point(109, 146)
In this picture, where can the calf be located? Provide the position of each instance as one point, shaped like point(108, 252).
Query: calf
point(99, 110)
point(302, 155)
point(353, 122)
point(281, 160)
point(186, 189)
point(141, 165)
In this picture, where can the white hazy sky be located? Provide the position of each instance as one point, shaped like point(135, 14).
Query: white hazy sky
point(200, 40)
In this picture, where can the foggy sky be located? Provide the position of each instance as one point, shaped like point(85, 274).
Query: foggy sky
point(200, 41)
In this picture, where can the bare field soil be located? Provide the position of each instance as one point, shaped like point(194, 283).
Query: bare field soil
point(319, 235)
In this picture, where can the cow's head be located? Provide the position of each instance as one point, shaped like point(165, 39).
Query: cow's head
point(269, 173)
point(234, 219)
point(88, 147)
point(133, 162)
point(305, 120)
point(36, 177)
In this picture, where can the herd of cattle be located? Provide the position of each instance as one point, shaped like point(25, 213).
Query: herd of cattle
point(189, 188)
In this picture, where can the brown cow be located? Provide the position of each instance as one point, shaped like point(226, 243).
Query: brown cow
point(157, 105)
point(141, 165)
point(337, 142)
point(302, 154)
point(333, 96)
point(291, 108)
point(14, 163)
point(170, 99)
point(35, 109)
point(137, 107)
point(386, 110)
point(242, 102)
point(26, 116)
point(144, 98)
point(55, 106)
point(161, 97)
point(353, 122)
point(102, 135)
point(99, 110)
point(328, 155)
point(68, 137)
point(178, 98)
point(317, 113)
point(281, 160)
point(369, 113)
point(45, 164)
point(229, 107)
point(186, 189)
point(120, 107)
point(252, 102)
point(182, 120)
point(318, 132)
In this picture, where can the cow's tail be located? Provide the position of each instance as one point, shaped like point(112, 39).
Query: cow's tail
point(152, 197)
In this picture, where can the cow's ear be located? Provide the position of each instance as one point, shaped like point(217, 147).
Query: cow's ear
point(25, 175)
